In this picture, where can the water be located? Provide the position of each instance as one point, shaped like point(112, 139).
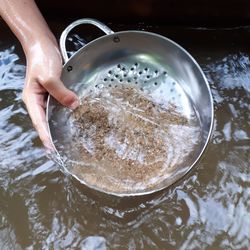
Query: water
point(126, 143)
point(129, 136)
point(42, 208)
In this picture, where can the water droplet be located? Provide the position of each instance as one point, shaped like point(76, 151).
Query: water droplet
point(178, 221)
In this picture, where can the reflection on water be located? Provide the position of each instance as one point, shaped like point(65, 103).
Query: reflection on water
point(209, 208)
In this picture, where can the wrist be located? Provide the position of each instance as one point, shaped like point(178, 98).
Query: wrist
point(40, 43)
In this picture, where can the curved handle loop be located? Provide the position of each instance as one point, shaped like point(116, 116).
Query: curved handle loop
point(65, 33)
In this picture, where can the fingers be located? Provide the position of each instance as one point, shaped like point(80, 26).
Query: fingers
point(35, 107)
point(63, 95)
point(34, 98)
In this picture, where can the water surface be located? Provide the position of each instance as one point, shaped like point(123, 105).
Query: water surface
point(41, 208)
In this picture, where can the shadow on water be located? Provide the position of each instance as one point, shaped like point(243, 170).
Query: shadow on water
point(209, 208)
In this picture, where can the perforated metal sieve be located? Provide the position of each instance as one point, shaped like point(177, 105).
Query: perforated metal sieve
point(146, 114)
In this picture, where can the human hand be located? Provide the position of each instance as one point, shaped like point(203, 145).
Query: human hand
point(44, 66)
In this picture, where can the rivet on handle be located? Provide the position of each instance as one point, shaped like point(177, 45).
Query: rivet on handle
point(116, 39)
point(69, 68)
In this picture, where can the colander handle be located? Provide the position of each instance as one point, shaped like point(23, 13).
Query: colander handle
point(65, 33)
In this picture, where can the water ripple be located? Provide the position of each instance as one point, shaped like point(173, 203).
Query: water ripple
point(41, 208)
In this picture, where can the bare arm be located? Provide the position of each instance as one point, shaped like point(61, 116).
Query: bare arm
point(26, 21)
point(44, 62)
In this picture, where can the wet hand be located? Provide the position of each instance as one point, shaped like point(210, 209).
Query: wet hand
point(44, 66)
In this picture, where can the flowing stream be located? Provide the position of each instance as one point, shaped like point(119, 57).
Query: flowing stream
point(42, 208)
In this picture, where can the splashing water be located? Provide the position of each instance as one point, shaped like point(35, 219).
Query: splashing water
point(41, 208)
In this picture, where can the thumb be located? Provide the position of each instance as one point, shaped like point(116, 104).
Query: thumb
point(66, 97)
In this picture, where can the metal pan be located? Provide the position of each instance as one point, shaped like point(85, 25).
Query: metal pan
point(111, 75)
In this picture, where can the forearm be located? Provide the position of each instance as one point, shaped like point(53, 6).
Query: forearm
point(25, 20)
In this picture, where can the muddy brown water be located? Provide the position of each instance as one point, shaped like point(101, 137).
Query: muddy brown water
point(42, 208)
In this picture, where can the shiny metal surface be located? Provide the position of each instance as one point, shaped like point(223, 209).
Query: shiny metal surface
point(147, 48)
